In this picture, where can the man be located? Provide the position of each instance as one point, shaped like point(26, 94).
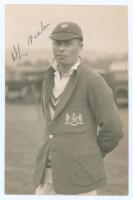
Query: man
point(81, 121)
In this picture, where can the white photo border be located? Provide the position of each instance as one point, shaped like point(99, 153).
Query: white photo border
point(2, 92)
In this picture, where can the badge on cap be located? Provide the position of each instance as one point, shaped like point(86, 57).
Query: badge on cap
point(64, 26)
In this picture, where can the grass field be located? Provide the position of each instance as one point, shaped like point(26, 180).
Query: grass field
point(23, 135)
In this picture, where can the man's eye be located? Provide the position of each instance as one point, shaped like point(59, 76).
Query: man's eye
point(65, 44)
point(56, 43)
point(68, 44)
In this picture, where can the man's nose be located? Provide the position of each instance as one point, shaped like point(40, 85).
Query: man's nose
point(62, 47)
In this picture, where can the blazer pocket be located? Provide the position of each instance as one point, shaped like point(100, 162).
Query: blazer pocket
point(88, 169)
point(75, 130)
point(73, 121)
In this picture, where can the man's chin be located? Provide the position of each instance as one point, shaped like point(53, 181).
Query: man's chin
point(61, 62)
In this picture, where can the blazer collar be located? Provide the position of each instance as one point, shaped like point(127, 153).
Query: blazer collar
point(49, 81)
point(65, 96)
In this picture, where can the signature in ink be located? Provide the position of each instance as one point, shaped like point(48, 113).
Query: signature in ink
point(17, 53)
point(32, 37)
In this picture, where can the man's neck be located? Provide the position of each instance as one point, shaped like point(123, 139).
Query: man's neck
point(63, 69)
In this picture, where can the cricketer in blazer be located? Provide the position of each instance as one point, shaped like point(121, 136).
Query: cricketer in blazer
point(78, 145)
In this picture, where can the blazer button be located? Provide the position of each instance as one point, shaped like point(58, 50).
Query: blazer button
point(51, 136)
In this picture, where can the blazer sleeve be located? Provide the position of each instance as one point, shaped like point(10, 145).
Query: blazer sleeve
point(106, 114)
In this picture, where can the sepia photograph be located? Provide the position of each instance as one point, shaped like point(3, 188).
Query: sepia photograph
point(66, 100)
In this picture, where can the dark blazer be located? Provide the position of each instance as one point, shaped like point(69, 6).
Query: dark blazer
point(86, 126)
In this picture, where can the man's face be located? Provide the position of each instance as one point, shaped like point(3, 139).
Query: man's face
point(66, 52)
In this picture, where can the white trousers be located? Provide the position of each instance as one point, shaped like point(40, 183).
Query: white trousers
point(47, 188)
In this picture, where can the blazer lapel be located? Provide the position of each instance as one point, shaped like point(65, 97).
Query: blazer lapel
point(49, 80)
point(65, 96)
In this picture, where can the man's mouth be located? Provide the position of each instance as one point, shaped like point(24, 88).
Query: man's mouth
point(61, 56)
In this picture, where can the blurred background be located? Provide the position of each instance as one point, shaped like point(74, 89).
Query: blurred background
point(105, 31)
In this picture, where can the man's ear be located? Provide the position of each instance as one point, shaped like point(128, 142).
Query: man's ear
point(81, 45)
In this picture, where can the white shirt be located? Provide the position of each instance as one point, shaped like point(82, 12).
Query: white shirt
point(61, 82)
